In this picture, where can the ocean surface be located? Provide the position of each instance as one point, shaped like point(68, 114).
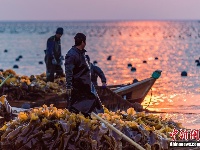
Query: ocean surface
point(170, 46)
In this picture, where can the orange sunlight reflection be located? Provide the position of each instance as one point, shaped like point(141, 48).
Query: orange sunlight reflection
point(135, 42)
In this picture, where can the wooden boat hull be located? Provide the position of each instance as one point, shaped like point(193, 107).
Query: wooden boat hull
point(112, 99)
point(135, 92)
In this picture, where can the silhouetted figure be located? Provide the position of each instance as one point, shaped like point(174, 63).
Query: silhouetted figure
point(95, 73)
point(78, 81)
point(53, 56)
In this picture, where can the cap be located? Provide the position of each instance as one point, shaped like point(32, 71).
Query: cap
point(59, 31)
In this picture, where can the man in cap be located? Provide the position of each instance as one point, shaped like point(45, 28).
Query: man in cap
point(78, 80)
point(53, 56)
point(95, 73)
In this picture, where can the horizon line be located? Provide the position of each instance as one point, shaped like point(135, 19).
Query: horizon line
point(107, 20)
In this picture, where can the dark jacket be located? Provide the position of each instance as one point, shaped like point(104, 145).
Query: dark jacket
point(53, 48)
point(77, 70)
point(95, 72)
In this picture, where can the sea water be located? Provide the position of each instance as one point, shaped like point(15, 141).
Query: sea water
point(170, 46)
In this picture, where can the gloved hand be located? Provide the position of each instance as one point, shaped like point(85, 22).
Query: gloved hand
point(62, 58)
point(54, 62)
point(104, 85)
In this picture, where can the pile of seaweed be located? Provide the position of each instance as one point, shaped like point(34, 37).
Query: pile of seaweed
point(29, 88)
point(52, 128)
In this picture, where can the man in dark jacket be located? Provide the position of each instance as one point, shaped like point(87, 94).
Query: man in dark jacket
point(78, 80)
point(95, 72)
point(53, 56)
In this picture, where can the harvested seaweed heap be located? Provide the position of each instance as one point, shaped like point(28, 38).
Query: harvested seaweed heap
point(29, 88)
point(5, 110)
point(52, 128)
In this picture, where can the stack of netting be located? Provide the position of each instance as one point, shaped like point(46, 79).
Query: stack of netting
point(52, 128)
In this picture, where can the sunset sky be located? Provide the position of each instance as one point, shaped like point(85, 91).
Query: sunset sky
point(99, 10)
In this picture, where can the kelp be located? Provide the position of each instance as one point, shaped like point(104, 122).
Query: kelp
point(29, 88)
point(5, 111)
point(33, 91)
point(51, 128)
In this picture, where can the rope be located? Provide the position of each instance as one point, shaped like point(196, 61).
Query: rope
point(5, 80)
point(149, 100)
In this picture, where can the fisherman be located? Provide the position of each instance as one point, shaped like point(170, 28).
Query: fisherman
point(53, 56)
point(78, 81)
point(95, 73)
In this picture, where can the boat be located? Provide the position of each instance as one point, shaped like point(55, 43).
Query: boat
point(113, 97)
point(135, 92)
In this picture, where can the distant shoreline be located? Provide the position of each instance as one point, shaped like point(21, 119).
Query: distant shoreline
point(96, 21)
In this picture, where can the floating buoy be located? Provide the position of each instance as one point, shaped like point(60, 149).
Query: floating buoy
point(40, 62)
point(156, 58)
point(183, 73)
point(198, 64)
point(15, 66)
point(133, 69)
point(196, 61)
point(5, 51)
point(20, 56)
point(144, 61)
point(1, 70)
point(129, 65)
point(109, 57)
point(135, 80)
point(94, 62)
point(17, 59)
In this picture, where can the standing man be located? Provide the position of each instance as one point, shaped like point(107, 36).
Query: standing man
point(95, 73)
point(53, 56)
point(78, 80)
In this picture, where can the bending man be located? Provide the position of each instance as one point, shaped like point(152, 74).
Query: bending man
point(95, 73)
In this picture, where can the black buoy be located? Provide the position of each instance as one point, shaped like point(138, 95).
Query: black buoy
point(40, 62)
point(183, 73)
point(1, 70)
point(94, 62)
point(196, 61)
point(15, 66)
point(109, 57)
point(198, 64)
point(20, 56)
point(156, 58)
point(129, 65)
point(133, 69)
point(17, 59)
point(135, 80)
point(144, 61)
point(5, 51)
